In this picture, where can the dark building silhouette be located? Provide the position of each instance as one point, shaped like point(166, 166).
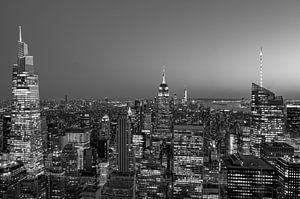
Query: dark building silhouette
point(5, 133)
point(12, 175)
point(119, 186)
point(249, 177)
point(293, 120)
point(123, 144)
point(70, 167)
point(274, 150)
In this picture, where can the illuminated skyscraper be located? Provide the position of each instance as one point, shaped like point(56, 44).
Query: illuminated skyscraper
point(188, 161)
point(163, 110)
point(185, 98)
point(267, 116)
point(26, 137)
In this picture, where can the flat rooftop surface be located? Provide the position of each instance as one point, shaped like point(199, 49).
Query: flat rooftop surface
point(247, 162)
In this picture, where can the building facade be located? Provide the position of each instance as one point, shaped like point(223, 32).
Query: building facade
point(188, 161)
point(293, 120)
point(288, 177)
point(267, 117)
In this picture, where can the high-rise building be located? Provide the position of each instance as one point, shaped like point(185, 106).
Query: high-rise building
point(188, 161)
point(85, 120)
point(232, 145)
point(105, 128)
point(248, 177)
point(163, 110)
point(185, 97)
point(267, 116)
point(26, 137)
point(246, 140)
point(123, 144)
point(69, 163)
point(80, 137)
point(293, 120)
point(55, 176)
point(288, 177)
point(150, 180)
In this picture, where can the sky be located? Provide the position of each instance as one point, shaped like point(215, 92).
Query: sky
point(117, 48)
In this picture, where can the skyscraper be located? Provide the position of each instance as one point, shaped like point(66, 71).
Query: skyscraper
point(267, 116)
point(26, 137)
point(248, 177)
point(293, 120)
point(163, 110)
point(163, 104)
point(185, 98)
point(123, 141)
point(188, 161)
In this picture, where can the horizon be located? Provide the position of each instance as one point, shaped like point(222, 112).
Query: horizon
point(119, 50)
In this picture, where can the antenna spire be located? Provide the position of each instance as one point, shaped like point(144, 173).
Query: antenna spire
point(164, 74)
point(20, 34)
point(261, 67)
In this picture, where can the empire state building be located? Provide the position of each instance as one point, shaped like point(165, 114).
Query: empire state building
point(163, 110)
point(26, 137)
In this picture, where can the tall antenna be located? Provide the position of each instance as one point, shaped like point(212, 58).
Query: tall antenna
point(261, 67)
point(20, 34)
point(164, 74)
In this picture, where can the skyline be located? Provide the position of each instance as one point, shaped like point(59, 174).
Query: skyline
point(118, 50)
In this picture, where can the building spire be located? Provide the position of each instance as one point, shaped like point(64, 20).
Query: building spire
point(261, 67)
point(20, 34)
point(164, 75)
point(129, 112)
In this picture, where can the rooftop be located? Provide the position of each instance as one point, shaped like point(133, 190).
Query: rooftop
point(8, 165)
point(292, 159)
point(246, 162)
point(188, 127)
point(78, 130)
point(277, 144)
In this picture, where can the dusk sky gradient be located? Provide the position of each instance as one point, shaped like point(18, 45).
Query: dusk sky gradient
point(116, 48)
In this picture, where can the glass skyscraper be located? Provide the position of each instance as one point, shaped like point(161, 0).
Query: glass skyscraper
point(267, 116)
point(26, 137)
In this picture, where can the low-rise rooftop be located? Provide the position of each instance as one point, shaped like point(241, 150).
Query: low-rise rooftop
point(246, 162)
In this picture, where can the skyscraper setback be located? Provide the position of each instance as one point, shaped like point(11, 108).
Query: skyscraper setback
point(26, 137)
